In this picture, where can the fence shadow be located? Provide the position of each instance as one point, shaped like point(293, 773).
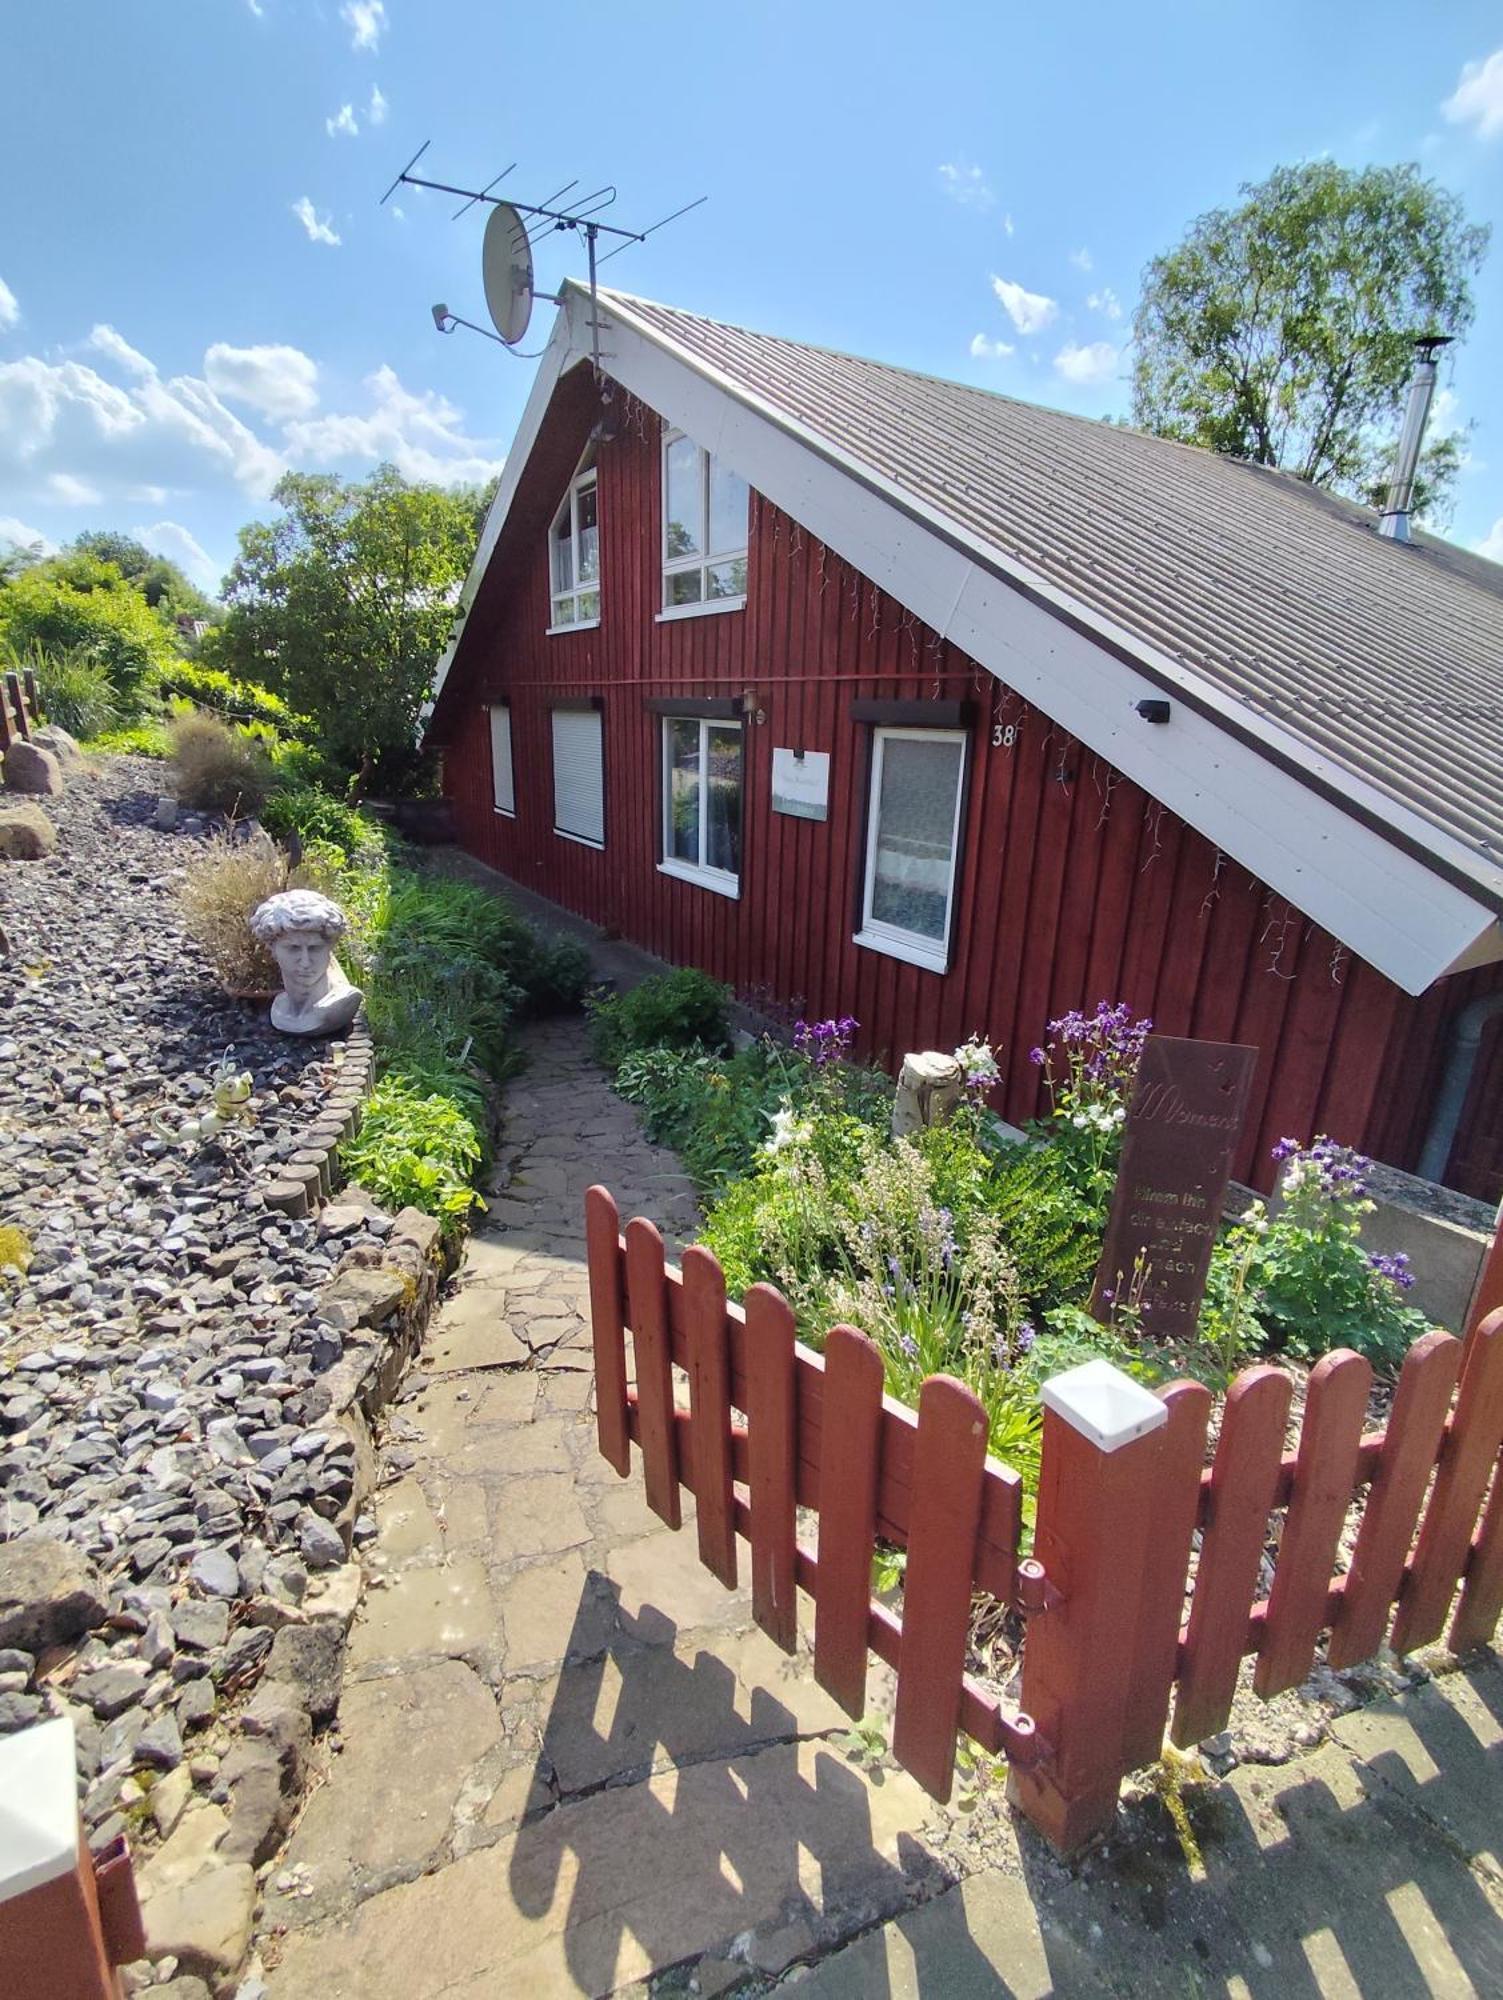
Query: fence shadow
point(748, 1834)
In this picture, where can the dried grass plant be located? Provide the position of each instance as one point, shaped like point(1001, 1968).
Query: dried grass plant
point(217, 769)
point(222, 885)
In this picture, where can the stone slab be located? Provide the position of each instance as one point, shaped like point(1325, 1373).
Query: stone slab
point(446, 1609)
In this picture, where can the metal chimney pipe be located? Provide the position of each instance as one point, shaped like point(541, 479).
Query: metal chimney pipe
point(1395, 522)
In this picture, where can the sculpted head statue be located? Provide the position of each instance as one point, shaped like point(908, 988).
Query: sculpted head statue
point(299, 928)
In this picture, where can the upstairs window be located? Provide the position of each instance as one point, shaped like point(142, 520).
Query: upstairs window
point(705, 508)
point(574, 555)
point(702, 802)
point(503, 782)
point(912, 839)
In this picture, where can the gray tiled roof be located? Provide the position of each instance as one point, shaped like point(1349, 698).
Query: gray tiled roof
point(1387, 659)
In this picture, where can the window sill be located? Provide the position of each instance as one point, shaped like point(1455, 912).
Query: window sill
point(583, 625)
point(703, 878)
point(504, 812)
point(580, 839)
point(912, 951)
point(709, 610)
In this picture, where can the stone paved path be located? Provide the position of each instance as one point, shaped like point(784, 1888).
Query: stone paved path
point(569, 1757)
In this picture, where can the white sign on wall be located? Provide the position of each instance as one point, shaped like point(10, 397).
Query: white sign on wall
point(801, 783)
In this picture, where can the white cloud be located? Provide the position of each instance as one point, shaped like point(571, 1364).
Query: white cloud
point(967, 185)
point(1477, 99)
point(1030, 312)
point(983, 349)
point(1096, 363)
point(366, 19)
point(1490, 545)
point(115, 347)
point(1081, 259)
point(376, 110)
point(421, 435)
point(10, 311)
point(256, 8)
point(24, 535)
point(180, 545)
point(147, 494)
point(343, 122)
point(280, 382)
point(68, 490)
point(1105, 301)
point(318, 230)
point(1007, 225)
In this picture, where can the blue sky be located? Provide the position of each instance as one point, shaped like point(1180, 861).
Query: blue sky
point(198, 288)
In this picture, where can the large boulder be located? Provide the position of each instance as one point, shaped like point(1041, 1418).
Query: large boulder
point(26, 833)
point(28, 768)
point(49, 1594)
point(56, 740)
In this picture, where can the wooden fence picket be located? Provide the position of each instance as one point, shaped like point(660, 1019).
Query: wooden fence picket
point(647, 1292)
point(949, 1465)
point(1481, 1603)
point(847, 1516)
point(1325, 1475)
point(608, 1327)
point(1415, 1425)
point(771, 1426)
point(710, 1413)
point(1467, 1459)
point(1182, 1451)
point(1243, 1481)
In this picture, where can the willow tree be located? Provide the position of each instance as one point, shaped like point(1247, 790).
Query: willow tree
point(1282, 330)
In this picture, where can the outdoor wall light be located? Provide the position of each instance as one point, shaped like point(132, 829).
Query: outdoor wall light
point(1154, 710)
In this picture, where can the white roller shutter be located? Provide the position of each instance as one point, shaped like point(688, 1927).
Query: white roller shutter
point(503, 783)
point(578, 775)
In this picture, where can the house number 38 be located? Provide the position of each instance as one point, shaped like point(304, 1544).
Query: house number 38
point(1004, 735)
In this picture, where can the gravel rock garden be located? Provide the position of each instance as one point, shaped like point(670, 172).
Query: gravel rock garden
point(182, 1365)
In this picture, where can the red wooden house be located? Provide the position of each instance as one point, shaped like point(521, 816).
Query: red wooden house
point(885, 696)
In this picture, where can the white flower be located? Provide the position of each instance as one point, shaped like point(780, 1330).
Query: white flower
point(785, 1128)
point(978, 1060)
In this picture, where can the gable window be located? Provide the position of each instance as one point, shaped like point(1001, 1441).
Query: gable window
point(503, 781)
point(578, 776)
point(705, 510)
point(574, 555)
point(702, 802)
point(912, 837)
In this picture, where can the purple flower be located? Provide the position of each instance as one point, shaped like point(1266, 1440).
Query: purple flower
point(1027, 1335)
point(1037, 1056)
point(1393, 1265)
point(908, 1346)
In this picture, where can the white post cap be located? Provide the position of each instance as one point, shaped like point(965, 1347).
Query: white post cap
point(1103, 1404)
point(38, 1807)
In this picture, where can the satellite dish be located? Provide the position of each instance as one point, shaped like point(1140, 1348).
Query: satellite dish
point(506, 272)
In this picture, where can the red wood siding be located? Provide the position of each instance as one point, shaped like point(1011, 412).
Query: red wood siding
point(1074, 884)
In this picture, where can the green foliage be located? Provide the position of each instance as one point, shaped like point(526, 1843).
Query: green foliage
point(681, 1009)
point(1052, 1215)
point(343, 604)
point(237, 701)
point(416, 1148)
point(160, 581)
point(1281, 330)
point(141, 739)
point(71, 604)
point(312, 814)
point(77, 691)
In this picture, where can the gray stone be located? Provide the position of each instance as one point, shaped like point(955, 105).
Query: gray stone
point(112, 1690)
point(203, 1923)
point(213, 1574)
point(322, 1546)
point(201, 1625)
point(196, 1703)
point(17, 1710)
point(52, 737)
point(49, 1594)
point(160, 1744)
point(311, 1659)
point(164, 819)
point(28, 768)
point(26, 833)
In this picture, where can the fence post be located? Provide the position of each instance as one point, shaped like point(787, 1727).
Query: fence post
point(1097, 1493)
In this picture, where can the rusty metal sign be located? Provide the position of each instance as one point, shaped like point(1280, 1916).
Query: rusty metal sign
point(1183, 1124)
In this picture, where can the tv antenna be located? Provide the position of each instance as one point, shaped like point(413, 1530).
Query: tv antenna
point(512, 231)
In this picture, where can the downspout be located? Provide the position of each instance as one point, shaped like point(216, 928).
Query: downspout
point(1450, 1101)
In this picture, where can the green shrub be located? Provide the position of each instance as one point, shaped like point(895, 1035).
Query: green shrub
point(238, 701)
point(1052, 1214)
point(416, 1149)
point(313, 815)
point(217, 768)
point(674, 1010)
point(142, 739)
point(76, 690)
point(73, 602)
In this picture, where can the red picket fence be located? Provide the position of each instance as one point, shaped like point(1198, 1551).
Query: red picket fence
point(1109, 1645)
point(20, 707)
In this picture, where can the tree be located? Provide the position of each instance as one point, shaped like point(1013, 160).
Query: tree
point(72, 602)
point(1282, 330)
point(343, 604)
point(162, 582)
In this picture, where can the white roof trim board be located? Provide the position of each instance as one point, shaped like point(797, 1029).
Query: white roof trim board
point(1393, 887)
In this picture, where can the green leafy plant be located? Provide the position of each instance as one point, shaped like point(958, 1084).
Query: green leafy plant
point(681, 1009)
point(311, 814)
point(141, 739)
point(865, 1743)
point(235, 700)
point(415, 1149)
point(77, 691)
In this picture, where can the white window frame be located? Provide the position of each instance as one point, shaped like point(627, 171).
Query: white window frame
point(561, 602)
point(707, 559)
point(582, 839)
point(503, 796)
point(910, 946)
point(721, 880)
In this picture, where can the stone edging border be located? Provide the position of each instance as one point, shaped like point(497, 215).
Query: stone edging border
point(305, 1180)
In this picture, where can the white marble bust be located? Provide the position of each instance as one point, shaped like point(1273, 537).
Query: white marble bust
point(300, 928)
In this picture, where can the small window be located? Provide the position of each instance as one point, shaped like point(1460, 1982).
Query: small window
point(574, 555)
point(705, 508)
point(912, 834)
point(503, 784)
point(578, 776)
point(702, 802)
